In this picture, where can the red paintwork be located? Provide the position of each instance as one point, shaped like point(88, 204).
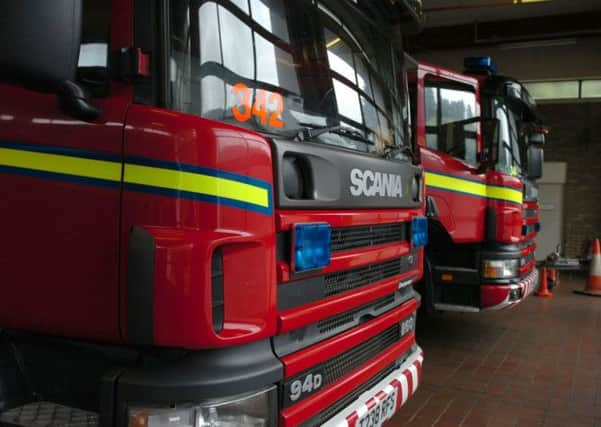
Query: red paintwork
point(188, 231)
point(48, 286)
point(311, 406)
point(314, 355)
point(493, 295)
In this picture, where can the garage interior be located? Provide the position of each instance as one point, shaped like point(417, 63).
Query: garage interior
point(552, 47)
point(538, 364)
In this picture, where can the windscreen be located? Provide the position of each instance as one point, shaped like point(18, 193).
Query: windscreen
point(278, 66)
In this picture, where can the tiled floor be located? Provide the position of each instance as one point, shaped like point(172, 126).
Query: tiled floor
point(536, 364)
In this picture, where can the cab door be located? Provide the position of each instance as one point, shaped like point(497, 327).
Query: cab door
point(60, 184)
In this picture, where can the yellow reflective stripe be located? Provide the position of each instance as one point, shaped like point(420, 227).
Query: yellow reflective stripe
point(58, 163)
point(196, 183)
point(505, 193)
point(456, 184)
point(474, 188)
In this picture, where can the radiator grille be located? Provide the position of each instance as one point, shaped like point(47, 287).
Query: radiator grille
point(335, 322)
point(342, 281)
point(366, 236)
point(347, 362)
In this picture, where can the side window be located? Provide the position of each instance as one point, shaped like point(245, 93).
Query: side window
point(509, 149)
point(92, 68)
point(451, 121)
point(504, 163)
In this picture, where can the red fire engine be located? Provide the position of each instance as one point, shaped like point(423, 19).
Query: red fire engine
point(211, 213)
point(481, 148)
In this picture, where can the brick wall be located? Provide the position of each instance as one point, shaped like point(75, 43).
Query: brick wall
point(575, 138)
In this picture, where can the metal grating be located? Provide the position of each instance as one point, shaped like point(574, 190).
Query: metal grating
point(347, 280)
point(345, 238)
point(347, 362)
point(342, 319)
point(48, 414)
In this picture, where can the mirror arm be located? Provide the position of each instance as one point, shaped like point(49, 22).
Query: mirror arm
point(75, 101)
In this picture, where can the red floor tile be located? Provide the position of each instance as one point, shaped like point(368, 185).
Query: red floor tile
point(536, 364)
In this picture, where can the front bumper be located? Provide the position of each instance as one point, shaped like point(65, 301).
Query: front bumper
point(496, 297)
point(404, 380)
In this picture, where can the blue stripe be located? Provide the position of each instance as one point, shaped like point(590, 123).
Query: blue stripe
point(198, 197)
point(75, 179)
point(73, 152)
point(472, 194)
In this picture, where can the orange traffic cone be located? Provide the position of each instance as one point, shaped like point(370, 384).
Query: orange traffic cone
point(593, 284)
point(543, 289)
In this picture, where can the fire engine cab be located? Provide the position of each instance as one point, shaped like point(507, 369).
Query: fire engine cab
point(481, 146)
point(211, 214)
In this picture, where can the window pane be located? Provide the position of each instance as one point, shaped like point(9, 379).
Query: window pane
point(242, 4)
point(209, 33)
point(340, 56)
point(370, 114)
point(591, 88)
point(237, 45)
point(271, 15)
point(431, 106)
point(93, 55)
point(275, 66)
point(553, 90)
point(347, 100)
point(504, 162)
point(363, 77)
point(457, 105)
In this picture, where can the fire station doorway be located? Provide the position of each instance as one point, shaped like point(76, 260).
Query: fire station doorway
point(551, 188)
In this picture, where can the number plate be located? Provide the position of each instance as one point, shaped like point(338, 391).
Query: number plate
point(383, 410)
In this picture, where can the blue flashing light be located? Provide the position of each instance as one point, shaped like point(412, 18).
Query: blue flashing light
point(311, 245)
point(419, 231)
point(479, 64)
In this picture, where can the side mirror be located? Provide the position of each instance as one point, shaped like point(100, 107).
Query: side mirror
point(536, 138)
point(535, 162)
point(39, 49)
point(490, 143)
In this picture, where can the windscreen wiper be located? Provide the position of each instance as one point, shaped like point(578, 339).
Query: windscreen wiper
point(309, 132)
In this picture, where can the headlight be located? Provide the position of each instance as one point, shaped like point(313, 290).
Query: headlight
point(256, 410)
point(501, 269)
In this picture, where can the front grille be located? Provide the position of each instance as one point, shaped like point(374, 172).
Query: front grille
point(330, 411)
point(347, 362)
point(338, 367)
point(345, 238)
point(342, 281)
point(529, 213)
point(342, 319)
